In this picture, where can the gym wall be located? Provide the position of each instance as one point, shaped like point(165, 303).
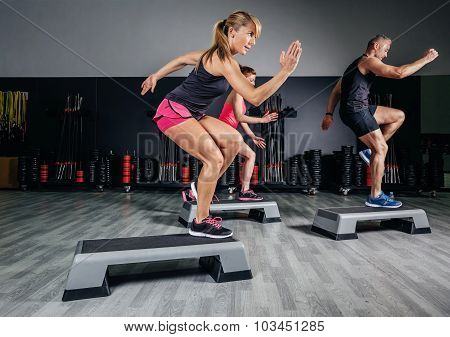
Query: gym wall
point(123, 115)
point(56, 47)
point(435, 105)
point(120, 119)
point(97, 38)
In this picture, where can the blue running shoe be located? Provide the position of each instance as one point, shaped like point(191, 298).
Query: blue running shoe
point(382, 201)
point(365, 155)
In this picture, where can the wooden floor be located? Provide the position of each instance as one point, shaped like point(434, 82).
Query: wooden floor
point(296, 272)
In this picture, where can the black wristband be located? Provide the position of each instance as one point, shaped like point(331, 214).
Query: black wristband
point(329, 113)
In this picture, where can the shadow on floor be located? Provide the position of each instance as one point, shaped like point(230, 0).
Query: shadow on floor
point(161, 270)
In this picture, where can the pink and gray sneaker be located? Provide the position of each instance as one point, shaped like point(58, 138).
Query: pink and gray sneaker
point(249, 195)
point(191, 194)
point(210, 228)
point(188, 195)
point(194, 190)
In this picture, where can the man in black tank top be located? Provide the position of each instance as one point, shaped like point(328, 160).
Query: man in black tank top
point(373, 125)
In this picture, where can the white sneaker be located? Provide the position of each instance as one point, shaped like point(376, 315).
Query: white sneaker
point(194, 190)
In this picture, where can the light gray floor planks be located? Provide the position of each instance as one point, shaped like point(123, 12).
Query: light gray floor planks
point(296, 272)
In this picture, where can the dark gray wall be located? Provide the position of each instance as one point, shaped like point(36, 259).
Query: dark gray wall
point(125, 125)
point(121, 120)
point(435, 104)
point(90, 38)
point(307, 95)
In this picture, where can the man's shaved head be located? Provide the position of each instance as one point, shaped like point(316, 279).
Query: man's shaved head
point(378, 38)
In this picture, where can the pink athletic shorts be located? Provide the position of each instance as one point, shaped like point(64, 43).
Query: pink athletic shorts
point(169, 114)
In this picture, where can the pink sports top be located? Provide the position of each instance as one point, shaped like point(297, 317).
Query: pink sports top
point(227, 114)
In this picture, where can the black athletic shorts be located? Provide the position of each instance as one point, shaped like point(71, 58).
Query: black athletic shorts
point(362, 121)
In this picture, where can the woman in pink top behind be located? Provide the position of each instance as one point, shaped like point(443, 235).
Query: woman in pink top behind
point(233, 113)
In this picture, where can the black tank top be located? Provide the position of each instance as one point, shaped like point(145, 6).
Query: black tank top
point(198, 90)
point(355, 88)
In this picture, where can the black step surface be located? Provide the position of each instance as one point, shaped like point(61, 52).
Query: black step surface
point(146, 242)
point(232, 201)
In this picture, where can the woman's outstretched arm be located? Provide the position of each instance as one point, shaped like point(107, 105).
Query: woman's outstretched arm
point(177, 63)
point(288, 60)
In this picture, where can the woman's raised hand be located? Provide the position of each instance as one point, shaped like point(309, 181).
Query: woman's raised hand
point(289, 59)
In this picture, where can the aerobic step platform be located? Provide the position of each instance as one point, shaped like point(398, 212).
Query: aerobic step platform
point(264, 211)
point(339, 223)
point(224, 259)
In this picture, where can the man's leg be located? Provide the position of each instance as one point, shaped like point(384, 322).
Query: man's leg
point(389, 120)
point(367, 128)
point(377, 144)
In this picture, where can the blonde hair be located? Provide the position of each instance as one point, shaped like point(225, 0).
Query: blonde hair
point(220, 35)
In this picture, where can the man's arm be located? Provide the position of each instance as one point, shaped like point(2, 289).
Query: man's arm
point(384, 70)
point(334, 97)
point(333, 100)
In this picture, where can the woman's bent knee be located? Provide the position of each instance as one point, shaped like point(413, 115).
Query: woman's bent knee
point(214, 161)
